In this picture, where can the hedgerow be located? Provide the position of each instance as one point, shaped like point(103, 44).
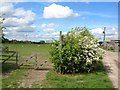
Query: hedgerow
point(78, 52)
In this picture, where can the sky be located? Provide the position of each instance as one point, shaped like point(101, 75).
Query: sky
point(37, 21)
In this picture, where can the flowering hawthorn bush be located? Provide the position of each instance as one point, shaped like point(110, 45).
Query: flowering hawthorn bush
point(79, 52)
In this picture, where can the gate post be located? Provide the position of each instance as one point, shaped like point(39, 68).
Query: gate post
point(17, 59)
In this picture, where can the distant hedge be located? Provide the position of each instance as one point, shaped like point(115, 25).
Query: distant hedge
point(78, 52)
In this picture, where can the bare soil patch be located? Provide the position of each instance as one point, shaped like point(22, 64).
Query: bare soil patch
point(33, 76)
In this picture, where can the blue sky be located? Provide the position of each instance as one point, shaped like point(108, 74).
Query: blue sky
point(107, 13)
point(43, 20)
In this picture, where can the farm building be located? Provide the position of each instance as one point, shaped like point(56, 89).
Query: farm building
point(115, 44)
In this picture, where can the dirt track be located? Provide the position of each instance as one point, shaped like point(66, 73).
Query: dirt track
point(110, 61)
point(32, 77)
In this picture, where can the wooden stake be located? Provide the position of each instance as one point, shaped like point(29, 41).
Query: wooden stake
point(61, 40)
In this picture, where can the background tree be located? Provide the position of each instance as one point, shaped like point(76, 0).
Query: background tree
point(2, 35)
point(1, 28)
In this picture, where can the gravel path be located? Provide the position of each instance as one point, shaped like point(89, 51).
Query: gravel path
point(109, 60)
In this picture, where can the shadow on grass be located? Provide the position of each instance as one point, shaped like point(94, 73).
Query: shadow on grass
point(100, 67)
point(8, 66)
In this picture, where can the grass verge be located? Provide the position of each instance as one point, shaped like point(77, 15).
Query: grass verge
point(92, 80)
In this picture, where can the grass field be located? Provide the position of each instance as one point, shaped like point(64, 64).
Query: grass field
point(53, 80)
point(29, 49)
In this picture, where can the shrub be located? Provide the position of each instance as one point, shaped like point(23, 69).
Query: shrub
point(111, 48)
point(79, 52)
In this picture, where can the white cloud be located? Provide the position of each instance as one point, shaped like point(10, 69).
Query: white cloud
point(97, 31)
point(48, 36)
point(14, 22)
point(21, 18)
point(58, 11)
point(49, 27)
point(37, 37)
point(48, 30)
point(28, 15)
point(6, 9)
point(29, 28)
point(56, 33)
point(110, 32)
point(17, 19)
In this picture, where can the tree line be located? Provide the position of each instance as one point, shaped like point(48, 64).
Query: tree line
point(5, 40)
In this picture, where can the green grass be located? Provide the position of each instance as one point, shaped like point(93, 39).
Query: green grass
point(96, 79)
point(92, 80)
point(14, 79)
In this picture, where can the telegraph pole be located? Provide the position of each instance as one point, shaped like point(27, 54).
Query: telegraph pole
point(104, 36)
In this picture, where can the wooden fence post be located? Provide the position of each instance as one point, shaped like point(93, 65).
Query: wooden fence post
point(36, 59)
point(61, 40)
point(16, 58)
